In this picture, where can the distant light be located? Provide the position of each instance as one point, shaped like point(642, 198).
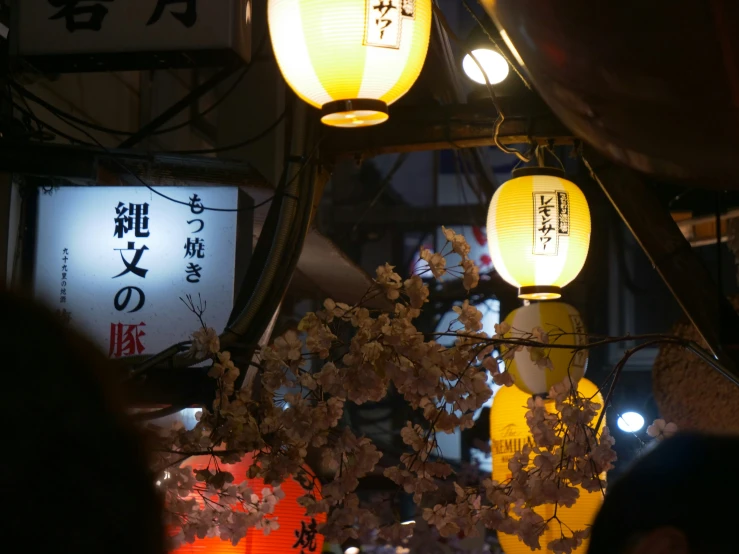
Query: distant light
point(352, 550)
point(408, 522)
point(630, 422)
point(494, 65)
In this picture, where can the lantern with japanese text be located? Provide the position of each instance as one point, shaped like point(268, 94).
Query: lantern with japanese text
point(564, 325)
point(350, 58)
point(538, 232)
point(509, 432)
point(296, 534)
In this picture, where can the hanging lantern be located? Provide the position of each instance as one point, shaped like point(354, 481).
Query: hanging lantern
point(350, 58)
point(538, 232)
point(296, 533)
point(509, 432)
point(552, 317)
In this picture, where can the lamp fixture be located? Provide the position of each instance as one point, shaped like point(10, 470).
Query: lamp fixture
point(350, 58)
point(630, 422)
point(493, 65)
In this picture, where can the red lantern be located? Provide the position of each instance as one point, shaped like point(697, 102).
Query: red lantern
point(296, 533)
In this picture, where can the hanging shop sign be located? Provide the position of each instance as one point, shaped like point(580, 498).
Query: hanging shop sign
point(95, 35)
point(116, 262)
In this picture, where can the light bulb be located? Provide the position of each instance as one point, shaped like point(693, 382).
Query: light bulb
point(630, 422)
point(494, 65)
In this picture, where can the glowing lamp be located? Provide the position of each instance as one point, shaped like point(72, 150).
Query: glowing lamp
point(296, 532)
point(553, 318)
point(509, 432)
point(538, 232)
point(492, 62)
point(350, 58)
point(630, 422)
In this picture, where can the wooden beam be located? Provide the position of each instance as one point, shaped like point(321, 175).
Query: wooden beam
point(681, 269)
point(434, 127)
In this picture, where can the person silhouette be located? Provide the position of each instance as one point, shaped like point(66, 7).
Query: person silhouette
point(75, 472)
point(676, 499)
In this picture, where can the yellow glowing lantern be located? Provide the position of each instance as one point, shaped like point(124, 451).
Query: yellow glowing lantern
point(351, 58)
point(554, 318)
point(509, 432)
point(538, 232)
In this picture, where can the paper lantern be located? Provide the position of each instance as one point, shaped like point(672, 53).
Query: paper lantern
point(351, 58)
point(551, 317)
point(538, 232)
point(296, 533)
point(509, 432)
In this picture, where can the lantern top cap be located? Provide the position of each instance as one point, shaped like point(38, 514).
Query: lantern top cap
point(532, 171)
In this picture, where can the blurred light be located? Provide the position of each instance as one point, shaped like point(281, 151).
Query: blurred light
point(352, 550)
point(408, 522)
point(630, 422)
point(494, 65)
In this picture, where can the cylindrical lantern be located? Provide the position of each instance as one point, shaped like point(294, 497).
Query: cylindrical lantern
point(351, 58)
point(538, 232)
point(297, 533)
point(552, 317)
point(509, 432)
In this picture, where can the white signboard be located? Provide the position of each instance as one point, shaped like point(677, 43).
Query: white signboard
point(115, 261)
point(113, 26)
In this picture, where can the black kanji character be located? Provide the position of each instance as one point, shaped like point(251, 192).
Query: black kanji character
point(195, 247)
point(80, 17)
point(132, 266)
point(188, 18)
point(135, 218)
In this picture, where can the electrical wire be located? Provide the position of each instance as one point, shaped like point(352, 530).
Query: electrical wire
point(51, 128)
point(399, 161)
point(109, 130)
point(128, 170)
point(500, 115)
point(492, 40)
point(237, 145)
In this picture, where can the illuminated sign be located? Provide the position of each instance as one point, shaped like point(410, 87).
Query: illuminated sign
point(116, 261)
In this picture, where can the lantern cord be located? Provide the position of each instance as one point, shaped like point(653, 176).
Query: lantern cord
point(500, 115)
point(25, 93)
point(501, 51)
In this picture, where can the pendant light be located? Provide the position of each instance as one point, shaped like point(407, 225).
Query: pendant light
point(350, 58)
point(538, 232)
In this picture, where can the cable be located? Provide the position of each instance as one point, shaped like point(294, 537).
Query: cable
point(237, 145)
point(103, 129)
point(491, 39)
point(48, 126)
point(500, 115)
point(152, 189)
point(399, 161)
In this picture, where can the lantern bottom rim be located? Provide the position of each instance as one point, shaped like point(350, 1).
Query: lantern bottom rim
point(354, 112)
point(540, 292)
